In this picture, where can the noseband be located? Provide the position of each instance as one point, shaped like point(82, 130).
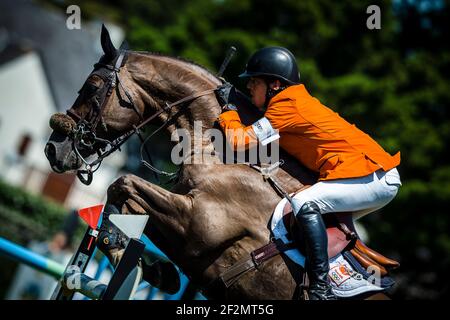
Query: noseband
point(83, 133)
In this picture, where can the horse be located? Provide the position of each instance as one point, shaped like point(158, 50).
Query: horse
point(215, 214)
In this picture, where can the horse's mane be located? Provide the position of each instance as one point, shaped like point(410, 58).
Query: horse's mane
point(181, 59)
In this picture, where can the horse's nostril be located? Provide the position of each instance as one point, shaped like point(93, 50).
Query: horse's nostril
point(50, 151)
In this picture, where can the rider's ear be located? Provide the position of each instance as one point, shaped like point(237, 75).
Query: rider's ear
point(107, 45)
point(275, 85)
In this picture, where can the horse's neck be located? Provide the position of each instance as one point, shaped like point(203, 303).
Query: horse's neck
point(171, 80)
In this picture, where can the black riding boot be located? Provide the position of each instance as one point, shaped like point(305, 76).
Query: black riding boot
point(314, 234)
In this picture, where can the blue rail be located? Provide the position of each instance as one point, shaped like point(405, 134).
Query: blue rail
point(28, 257)
point(56, 270)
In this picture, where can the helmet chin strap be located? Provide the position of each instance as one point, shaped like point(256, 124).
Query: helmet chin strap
point(270, 93)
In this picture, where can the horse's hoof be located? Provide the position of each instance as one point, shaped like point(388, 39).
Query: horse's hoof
point(114, 256)
point(162, 275)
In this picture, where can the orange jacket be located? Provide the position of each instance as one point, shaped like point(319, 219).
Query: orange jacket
point(315, 135)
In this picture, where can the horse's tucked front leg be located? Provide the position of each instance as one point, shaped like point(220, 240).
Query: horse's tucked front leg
point(133, 195)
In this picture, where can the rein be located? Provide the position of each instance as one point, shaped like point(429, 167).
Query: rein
point(84, 131)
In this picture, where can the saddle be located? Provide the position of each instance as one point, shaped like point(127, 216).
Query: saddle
point(342, 236)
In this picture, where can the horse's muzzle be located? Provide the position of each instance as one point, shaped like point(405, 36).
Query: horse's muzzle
point(60, 155)
point(50, 153)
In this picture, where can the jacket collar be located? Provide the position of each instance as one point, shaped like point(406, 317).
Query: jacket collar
point(297, 91)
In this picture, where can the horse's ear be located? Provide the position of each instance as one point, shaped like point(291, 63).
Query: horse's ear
point(107, 45)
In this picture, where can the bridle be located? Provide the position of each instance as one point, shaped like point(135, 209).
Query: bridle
point(84, 132)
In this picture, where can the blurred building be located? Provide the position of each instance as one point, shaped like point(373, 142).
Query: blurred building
point(42, 66)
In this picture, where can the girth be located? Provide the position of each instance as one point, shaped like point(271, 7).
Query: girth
point(256, 258)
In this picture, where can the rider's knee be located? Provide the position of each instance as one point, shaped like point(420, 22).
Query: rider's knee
point(307, 208)
point(391, 192)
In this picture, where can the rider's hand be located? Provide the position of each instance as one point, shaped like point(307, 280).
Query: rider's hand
point(225, 94)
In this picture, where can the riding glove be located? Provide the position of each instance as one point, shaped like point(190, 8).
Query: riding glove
point(225, 93)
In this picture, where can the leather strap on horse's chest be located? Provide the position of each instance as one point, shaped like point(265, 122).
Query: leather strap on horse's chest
point(257, 257)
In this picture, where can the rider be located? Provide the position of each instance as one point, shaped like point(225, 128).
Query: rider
point(355, 173)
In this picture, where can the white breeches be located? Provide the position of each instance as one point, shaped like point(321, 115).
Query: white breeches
point(358, 195)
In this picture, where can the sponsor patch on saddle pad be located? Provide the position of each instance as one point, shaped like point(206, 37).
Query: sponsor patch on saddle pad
point(347, 279)
point(347, 282)
point(339, 274)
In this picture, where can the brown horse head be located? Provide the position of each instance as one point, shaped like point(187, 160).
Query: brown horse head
point(105, 107)
point(123, 89)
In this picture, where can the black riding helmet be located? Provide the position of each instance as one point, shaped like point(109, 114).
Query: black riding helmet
point(275, 62)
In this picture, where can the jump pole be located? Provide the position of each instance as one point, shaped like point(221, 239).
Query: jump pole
point(18, 253)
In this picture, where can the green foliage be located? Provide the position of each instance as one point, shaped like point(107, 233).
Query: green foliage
point(27, 217)
point(24, 217)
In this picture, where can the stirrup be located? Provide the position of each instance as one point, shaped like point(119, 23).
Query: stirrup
point(320, 292)
point(304, 295)
point(303, 287)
